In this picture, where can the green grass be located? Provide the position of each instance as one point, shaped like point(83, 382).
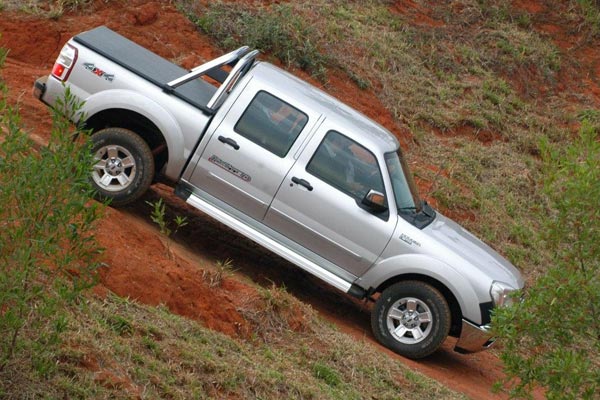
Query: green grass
point(116, 348)
point(445, 76)
point(589, 10)
point(499, 185)
point(277, 30)
point(52, 9)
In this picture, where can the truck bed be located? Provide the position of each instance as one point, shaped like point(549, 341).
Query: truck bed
point(146, 64)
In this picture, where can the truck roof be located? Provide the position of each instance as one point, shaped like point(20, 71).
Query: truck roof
point(350, 121)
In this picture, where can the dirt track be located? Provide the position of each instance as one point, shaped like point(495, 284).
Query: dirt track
point(137, 266)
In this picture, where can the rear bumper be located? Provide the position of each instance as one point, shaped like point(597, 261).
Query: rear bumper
point(39, 88)
point(474, 338)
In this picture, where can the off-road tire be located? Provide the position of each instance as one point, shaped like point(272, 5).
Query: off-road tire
point(124, 166)
point(398, 327)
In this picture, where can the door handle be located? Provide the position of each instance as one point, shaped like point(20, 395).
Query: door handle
point(302, 182)
point(229, 141)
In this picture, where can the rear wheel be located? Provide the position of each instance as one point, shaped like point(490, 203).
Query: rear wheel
point(124, 165)
point(412, 318)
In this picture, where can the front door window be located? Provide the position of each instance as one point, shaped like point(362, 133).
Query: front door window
point(346, 165)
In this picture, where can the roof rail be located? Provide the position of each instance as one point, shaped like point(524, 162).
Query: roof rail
point(240, 68)
point(205, 69)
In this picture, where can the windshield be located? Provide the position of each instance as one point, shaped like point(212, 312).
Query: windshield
point(405, 191)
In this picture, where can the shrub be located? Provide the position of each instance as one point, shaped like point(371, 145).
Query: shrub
point(553, 337)
point(167, 228)
point(47, 251)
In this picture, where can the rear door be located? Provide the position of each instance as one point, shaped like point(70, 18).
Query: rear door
point(319, 203)
point(252, 150)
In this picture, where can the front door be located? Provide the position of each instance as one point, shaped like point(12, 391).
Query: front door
point(251, 151)
point(319, 203)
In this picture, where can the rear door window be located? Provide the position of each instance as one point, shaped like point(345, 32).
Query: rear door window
point(271, 123)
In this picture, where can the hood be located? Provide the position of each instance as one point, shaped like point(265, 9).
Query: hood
point(466, 245)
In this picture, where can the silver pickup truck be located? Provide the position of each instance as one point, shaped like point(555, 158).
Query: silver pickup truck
point(291, 168)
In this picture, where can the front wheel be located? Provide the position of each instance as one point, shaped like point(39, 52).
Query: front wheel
point(412, 318)
point(123, 165)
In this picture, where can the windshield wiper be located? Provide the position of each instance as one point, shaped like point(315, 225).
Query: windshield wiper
point(425, 209)
point(407, 208)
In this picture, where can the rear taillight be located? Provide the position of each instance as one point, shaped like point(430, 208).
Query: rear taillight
point(66, 59)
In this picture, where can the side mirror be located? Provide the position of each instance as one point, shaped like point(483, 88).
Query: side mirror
point(375, 201)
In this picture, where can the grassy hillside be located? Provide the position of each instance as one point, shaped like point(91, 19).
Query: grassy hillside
point(115, 348)
point(472, 85)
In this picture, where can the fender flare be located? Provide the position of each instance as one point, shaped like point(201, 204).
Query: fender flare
point(140, 104)
point(421, 264)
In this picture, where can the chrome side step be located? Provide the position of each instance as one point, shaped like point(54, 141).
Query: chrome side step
point(268, 242)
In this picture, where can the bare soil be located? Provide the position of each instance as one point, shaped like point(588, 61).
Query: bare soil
point(138, 261)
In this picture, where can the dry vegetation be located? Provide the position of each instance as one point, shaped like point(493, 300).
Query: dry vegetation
point(49, 9)
point(115, 348)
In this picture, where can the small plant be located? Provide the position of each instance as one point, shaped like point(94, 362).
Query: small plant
point(120, 325)
point(215, 278)
point(275, 312)
point(326, 374)
point(590, 10)
point(276, 298)
point(158, 216)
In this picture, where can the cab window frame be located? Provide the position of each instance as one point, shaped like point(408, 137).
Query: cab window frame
point(334, 183)
point(298, 126)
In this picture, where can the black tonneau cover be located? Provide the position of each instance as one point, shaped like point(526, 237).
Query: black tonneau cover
point(146, 64)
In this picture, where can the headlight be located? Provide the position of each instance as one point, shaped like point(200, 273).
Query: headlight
point(500, 293)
